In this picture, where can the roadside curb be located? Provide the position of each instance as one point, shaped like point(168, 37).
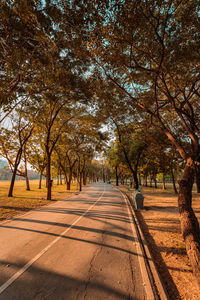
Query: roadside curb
point(153, 283)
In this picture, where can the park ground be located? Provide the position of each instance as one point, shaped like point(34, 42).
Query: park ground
point(23, 201)
point(159, 221)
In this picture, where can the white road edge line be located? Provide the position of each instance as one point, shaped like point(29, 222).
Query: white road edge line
point(4, 286)
point(145, 277)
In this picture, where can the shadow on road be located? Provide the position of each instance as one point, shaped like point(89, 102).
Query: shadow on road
point(100, 232)
point(56, 286)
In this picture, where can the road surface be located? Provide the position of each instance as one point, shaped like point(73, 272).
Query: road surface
point(79, 248)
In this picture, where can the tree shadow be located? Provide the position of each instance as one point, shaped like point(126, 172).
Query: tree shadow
point(164, 194)
point(100, 216)
point(162, 208)
point(170, 229)
point(38, 283)
point(101, 203)
point(93, 214)
point(171, 225)
point(33, 198)
point(173, 250)
point(15, 208)
point(66, 192)
point(162, 268)
point(165, 220)
point(65, 226)
point(78, 239)
point(181, 269)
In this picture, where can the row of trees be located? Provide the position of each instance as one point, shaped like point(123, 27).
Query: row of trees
point(45, 93)
point(147, 55)
point(53, 141)
point(135, 157)
point(136, 63)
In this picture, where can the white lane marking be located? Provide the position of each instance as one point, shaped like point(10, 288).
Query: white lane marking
point(26, 266)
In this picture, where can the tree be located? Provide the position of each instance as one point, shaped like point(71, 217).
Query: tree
point(87, 139)
point(52, 121)
point(160, 154)
point(13, 141)
point(67, 158)
point(113, 157)
point(151, 55)
point(36, 157)
point(26, 47)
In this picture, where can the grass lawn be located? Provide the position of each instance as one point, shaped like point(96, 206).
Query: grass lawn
point(160, 223)
point(23, 201)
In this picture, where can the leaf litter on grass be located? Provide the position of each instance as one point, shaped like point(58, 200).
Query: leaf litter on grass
point(160, 223)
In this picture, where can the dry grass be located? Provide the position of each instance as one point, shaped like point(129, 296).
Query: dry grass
point(161, 226)
point(23, 200)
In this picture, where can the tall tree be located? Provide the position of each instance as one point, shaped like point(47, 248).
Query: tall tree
point(51, 125)
point(13, 141)
point(67, 158)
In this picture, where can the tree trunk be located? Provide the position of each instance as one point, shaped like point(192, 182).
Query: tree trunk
point(58, 180)
point(17, 161)
point(189, 223)
point(84, 178)
point(27, 182)
point(155, 182)
point(103, 175)
point(173, 181)
point(145, 179)
point(61, 179)
point(140, 182)
point(26, 171)
point(117, 177)
point(10, 194)
point(48, 174)
point(136, 183)
point(151, 181)
point(80, 181)
point(68, 185)
point(197, 175)
point(40, 181)
point(163, 182)
point(69, 180)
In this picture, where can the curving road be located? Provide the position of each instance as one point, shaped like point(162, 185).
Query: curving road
point(79, 248)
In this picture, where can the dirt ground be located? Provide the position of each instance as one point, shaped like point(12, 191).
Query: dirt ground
point(160, 223)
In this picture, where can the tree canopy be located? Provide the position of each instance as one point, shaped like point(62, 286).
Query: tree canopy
point(68, 67)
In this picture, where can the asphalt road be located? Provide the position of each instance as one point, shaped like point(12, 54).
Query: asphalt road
point(79, 248)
